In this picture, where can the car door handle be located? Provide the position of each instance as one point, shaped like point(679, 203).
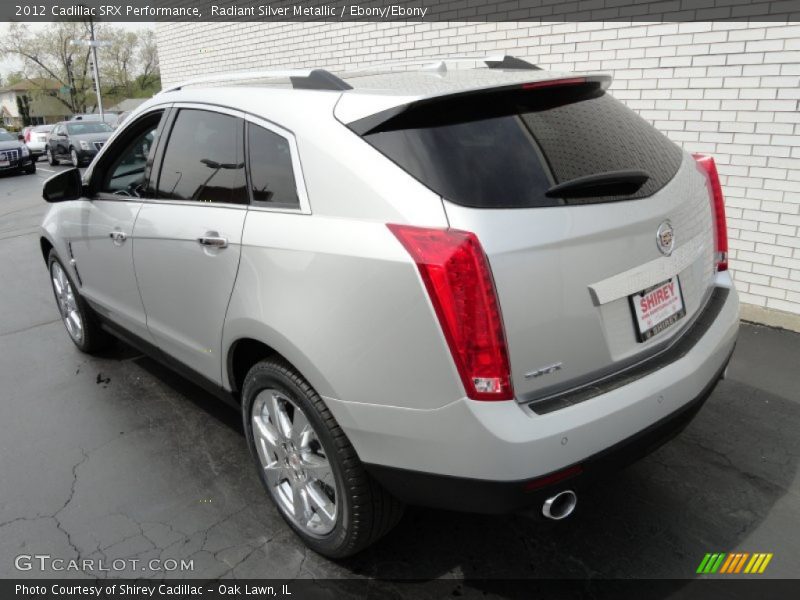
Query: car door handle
point(213, 239)
point(118, 237)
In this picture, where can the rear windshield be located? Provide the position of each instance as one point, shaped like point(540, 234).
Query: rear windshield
point(506, 149)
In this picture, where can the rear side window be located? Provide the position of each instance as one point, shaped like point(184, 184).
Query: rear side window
point(271, 174)
point(204, 159)
point(506, 149)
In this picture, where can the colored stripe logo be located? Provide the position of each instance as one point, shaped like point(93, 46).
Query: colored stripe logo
point(734, 562)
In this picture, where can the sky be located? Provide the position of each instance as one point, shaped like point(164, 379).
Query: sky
point(7, 65)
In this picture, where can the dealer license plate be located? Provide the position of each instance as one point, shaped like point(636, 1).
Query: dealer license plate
point(4, 163)
point(657, 308)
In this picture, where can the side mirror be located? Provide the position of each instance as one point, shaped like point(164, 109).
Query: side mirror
point(63, 186)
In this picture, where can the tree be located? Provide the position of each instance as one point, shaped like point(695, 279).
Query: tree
point(49, 54)
point(24, 109)
point(14, 77)
point(116, 61)
point(150, 75)
point(128, 65)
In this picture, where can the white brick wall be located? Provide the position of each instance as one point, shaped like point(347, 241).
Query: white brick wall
point(730, 89)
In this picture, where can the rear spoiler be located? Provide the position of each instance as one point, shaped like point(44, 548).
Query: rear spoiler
point(489, 96)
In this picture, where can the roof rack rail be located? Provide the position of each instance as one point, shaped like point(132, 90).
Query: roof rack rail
point(436, 63)
point(308, 79)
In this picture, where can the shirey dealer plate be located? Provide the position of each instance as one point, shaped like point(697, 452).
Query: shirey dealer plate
point(657, 308)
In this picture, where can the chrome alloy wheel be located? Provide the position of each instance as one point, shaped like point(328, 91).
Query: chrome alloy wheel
point(295, 466)
point(67, 302)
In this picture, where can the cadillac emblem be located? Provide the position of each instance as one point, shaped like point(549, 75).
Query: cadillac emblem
point(665, 238)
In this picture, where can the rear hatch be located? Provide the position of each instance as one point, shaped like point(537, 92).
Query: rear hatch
point(585, 211)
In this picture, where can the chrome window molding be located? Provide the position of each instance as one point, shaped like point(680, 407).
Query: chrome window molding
point(299, 180)
point(302, 194)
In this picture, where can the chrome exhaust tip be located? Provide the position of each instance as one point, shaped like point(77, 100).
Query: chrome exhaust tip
point(560, 506)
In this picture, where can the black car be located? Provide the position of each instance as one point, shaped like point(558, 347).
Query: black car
point(14, 155)
point(77, 141)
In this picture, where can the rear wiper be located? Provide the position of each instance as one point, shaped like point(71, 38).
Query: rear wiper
point(609, 183)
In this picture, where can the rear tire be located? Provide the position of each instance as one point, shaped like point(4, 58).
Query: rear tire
point(344, 510)
point(80, 321)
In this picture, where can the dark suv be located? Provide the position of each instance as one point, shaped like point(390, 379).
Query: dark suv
point(14, 155)
point(77, 141)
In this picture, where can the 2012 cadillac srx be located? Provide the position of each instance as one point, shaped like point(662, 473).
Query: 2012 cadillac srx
point(470, 286)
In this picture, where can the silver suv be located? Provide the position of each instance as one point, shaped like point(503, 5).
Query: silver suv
point(471, 288)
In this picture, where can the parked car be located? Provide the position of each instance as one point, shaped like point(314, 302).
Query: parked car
point(76, 141)
point(14, 155)
point(475, 289)
point(109, 118)
point(36, 140)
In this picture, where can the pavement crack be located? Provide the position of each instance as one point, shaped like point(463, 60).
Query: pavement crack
point(18, 519)
point(302, 563)
point(246, 557)
point(29, 327)
point(727, 463)
point(55, 515)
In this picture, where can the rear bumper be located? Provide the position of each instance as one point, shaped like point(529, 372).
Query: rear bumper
point(496, 497)
point(485, 444)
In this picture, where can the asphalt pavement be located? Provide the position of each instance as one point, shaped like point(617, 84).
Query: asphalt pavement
point(116, 457)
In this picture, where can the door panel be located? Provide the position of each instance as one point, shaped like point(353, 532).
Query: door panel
point(187, 243)
point(58, 142)
point(186, 285)
point(101, 229)
point(100, 237)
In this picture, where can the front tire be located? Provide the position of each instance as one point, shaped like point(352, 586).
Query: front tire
point(309, 467)
point(31, 168)
point(51, 158)
point(78, 318)
point(74, 159)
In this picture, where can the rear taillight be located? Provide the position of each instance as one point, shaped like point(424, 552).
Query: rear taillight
point(709, 168)
point(27, 136)
point(459, 282)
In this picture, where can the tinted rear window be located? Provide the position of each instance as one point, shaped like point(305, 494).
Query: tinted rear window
point(506, 149)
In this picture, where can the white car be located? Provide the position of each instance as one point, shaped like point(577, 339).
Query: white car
point(36, 140)
point(471, 288)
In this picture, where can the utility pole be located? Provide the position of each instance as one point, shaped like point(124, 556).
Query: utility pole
point(71, 82)
point(93, 44)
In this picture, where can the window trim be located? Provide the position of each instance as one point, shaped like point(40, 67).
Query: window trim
point(171, 110)
point(96, 176)
point(299, 178)
point(161, 151)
